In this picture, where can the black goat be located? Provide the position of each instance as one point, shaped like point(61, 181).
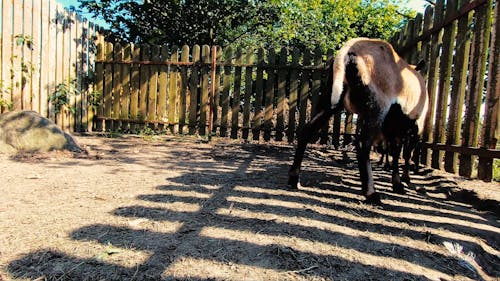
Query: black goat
point(370, 79)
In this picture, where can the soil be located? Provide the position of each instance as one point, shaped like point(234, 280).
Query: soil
point(180, 208)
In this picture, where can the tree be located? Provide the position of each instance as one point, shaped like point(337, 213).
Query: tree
point(180, 21)
point(268, 23)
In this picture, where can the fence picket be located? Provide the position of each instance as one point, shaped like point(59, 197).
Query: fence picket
point(193, 90)
point(228, 54)
point(458, 87)
point(108, 86)
point(135, 82)
point(204, 104)
point(162, 88)
point(125, 94)
point(491, 130)
point(293, 98)
point(248, 92)
point(304, 90)
point(236, 95)
point(184, 89)
point(446, 61)
point(433, 74)
point(117, 86)
point(153, 87)
point(144, 80)
point(173, 90)
point(269, 94)
point(280, 107)
point(259, 94)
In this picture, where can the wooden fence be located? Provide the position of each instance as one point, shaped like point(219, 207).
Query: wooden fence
point(44, 46)
point(249, 94)
point(461, 45)
point(257, 94)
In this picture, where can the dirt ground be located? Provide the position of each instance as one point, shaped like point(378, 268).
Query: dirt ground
point(178, 208)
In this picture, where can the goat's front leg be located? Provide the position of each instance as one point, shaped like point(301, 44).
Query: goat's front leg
point(304, 137)
point(363, 146)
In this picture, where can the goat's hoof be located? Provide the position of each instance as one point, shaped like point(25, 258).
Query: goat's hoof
point(293, 182)
point(398, 188)
point(405, 178)
point(373, 199)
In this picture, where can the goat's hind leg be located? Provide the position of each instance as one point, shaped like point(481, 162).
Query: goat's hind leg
point(395, 150)
point(304, 137)
point(363, 147)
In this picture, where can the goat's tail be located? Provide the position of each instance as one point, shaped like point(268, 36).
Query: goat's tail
point(336, 78)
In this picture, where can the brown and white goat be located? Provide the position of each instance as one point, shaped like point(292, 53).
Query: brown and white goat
point(370, 79)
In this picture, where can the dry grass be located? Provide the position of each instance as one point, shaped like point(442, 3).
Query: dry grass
point(178, 208)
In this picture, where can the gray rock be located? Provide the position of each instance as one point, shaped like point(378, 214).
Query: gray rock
point(28, 131)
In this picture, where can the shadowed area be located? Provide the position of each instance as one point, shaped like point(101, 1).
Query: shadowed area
point(186, 210)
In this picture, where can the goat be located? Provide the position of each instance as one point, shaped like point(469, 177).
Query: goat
point(370, 79)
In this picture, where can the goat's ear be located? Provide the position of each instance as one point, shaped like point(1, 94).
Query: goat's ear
point(420, 65)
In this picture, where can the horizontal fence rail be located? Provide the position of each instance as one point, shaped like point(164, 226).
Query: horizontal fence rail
point(459, 41)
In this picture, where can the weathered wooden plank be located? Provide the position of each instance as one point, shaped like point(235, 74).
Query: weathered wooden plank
point(153, 84)
point(78, 57)
point(491, 126)
point(236, 95)
point(100, 80)
point(216, 95)
point(259, 94)
point(74, 114)
point(108, 87)
point(280, 107)
point(6, 54)
point(40, 31)
point(53, 62)
point(433, 75)
point(144, 81)
point(228, 54)
point(269, 97)
point(442, 95)
point(135, 80)
point(248, 92)
point(173, 90)
point(417, 31)
point(293, 98)
point(458, 88)
point(193, 90)
point(27, 55)
point(184, 89)
point(125, 96)
point(304, 90)
point(204, 106)
point(479, 54)
point(163, 88)
point(117, 86)
point(66, 65)
point(17, 57)
point(426, 52)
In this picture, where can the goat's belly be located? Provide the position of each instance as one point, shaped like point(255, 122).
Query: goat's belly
point(398, 124)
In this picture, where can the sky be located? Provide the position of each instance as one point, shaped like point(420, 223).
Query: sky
point(417, 5)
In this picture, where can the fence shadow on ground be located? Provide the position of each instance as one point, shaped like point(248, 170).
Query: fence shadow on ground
point(234, 218)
